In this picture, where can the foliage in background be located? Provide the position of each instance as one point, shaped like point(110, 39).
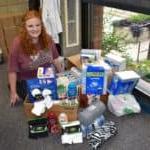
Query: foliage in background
point(110, 42)
point(143, 68)
point(139, 18)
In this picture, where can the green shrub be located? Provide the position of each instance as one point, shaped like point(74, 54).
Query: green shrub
point(139, 18)
point(143, 67)
point(110, 42)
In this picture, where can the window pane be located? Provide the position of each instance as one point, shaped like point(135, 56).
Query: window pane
point(72, 22)
point(71, 9)
point(72, 33)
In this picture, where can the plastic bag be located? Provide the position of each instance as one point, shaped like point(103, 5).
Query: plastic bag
point(123, 104)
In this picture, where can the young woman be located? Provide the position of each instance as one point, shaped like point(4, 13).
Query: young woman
point(31, 49)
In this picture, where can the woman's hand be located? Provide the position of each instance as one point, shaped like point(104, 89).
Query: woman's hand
point(59, 64)
point(14, 98)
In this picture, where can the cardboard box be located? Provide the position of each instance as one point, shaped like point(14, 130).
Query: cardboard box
point(56, 108)
point(89, 56)
point(123, 82)
point(95, 78)
point(117, 62)
point(74, 61)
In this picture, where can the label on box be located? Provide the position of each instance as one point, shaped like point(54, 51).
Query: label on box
point(41, 84)
point(118, 86)
point(44, 73)
point(94, 80)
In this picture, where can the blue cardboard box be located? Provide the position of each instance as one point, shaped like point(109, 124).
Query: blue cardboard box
point(93, 81)
point(123, 82)
point(117, 62)
point(41, 84)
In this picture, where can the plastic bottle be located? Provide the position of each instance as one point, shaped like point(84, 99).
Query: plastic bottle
point(83, 99)
point(72, 90)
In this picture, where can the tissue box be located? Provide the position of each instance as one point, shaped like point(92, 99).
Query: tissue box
point(123, 82)
point(56, 108)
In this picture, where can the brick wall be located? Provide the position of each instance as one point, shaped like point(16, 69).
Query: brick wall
point(97, 26)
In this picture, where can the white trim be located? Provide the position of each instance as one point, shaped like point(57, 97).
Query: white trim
point(77, 24)
point(143, 87)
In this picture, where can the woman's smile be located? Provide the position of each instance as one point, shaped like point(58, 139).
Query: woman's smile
point(33, 27)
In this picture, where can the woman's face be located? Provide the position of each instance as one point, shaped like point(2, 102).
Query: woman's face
point(33, 27)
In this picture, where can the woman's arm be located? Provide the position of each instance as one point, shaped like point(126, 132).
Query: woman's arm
point(12, 69)
point(59, 64)
point(12, 77)
point(57, 60)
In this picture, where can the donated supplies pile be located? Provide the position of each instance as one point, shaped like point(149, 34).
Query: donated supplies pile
point(69, 103)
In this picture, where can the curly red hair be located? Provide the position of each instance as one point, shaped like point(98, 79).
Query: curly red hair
point(44, 38)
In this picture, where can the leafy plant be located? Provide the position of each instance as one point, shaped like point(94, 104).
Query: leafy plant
point(139, 18)
point(110, 42)
point(142, 67)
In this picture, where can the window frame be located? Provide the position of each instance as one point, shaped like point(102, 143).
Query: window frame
point(67, 24)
